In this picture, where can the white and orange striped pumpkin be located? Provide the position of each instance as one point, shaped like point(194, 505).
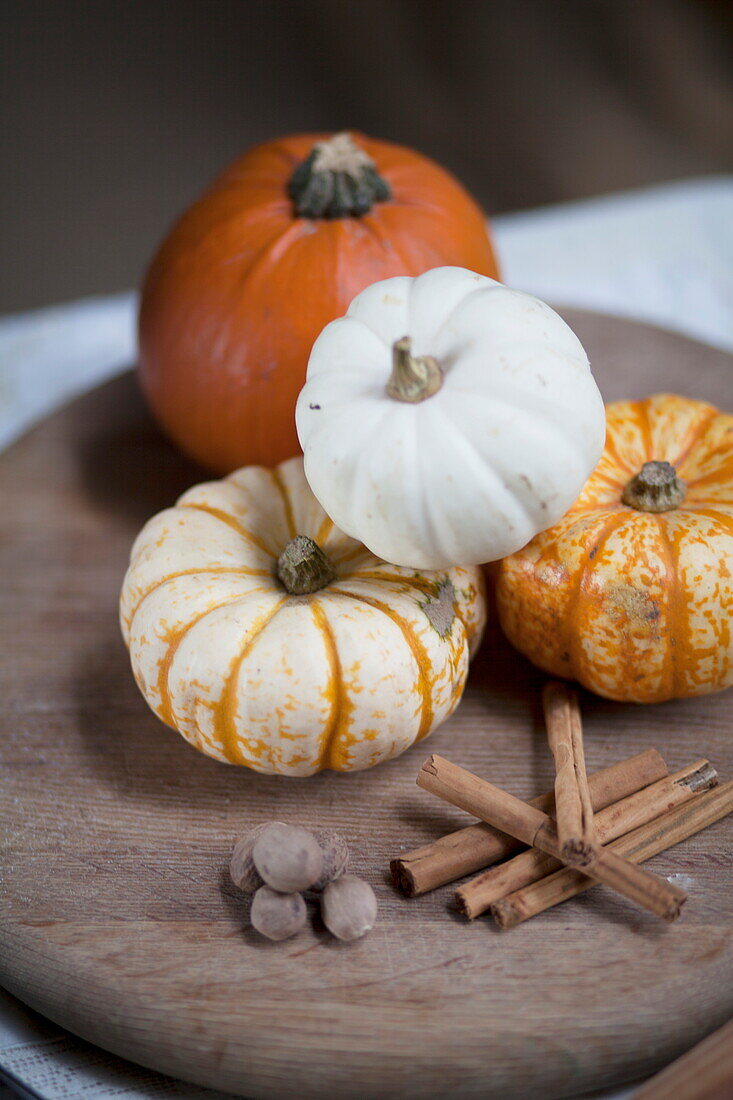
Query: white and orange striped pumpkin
point(631, 592)
point(349, 665)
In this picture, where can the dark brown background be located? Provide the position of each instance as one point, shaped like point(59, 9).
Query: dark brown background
point(115, 114)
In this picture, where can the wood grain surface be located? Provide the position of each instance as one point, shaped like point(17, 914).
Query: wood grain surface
point(117, 918)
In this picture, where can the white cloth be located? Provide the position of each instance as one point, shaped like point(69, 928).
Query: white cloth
point(663, 255)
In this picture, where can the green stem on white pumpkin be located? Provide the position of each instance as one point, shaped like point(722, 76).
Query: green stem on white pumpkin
point(337, 180)
point(656, 488)
point(414, 377)
point(303, 567)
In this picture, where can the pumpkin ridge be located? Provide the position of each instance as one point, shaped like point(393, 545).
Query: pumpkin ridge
point(696, 437)
point(570, 527)
point(224, 711)
point(426, 498)
point(339, 704)
point(165, 710)
point(721, 647)
point(359, 551)
point(723, 475)
point(712, 513)
point(214, 570)
point(473, 629)
point(324, 530)
point(201, 238)
point(426, 587)
point(487, 467)
point(419, 584)
point(611, 449)
point(481, 288)
point(373, 435)
point(279, 484)
point(230, 521)
point(235, 222)
point(370, 222)
point(424, 206)
point(272, 252)
point(401, 250)
point(238, 223)
point(425, 671)
point(573, 518)
point(641, 411)
point(572, 634)
point(363, 475)
point(607, 477)
point(536, 408)
point(596, 485)
point(678, 622)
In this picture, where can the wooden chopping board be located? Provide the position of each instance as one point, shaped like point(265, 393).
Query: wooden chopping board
point(117, 918)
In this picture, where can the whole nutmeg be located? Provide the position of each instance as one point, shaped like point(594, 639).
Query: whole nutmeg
point(348, 907)
point(277, 916)
point(287, 857)
point(335, 857)
point(242, 870)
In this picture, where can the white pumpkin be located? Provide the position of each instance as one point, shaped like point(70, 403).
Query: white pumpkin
point(448, 419)
point(268, 638)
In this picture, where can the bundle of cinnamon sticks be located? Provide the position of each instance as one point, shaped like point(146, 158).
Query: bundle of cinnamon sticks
point(590, 829)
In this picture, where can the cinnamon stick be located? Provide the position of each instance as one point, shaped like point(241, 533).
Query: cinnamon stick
point(648, 840)
point(476, 846)
point(576, 832)
point(536, 829)
point(477, 895)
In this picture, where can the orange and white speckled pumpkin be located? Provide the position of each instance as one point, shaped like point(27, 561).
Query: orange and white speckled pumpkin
point(631, 593)
point(269, 638)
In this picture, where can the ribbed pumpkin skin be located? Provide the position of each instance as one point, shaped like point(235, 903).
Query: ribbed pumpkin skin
point(635, 606)
point(240, 288)
point(343, 678)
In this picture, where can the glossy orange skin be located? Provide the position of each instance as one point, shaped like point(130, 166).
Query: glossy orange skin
point(635, 606)
point(240, 288)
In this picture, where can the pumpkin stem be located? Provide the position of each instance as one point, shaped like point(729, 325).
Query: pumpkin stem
point(303, 567)
point(337, 180)
point(656, 488)
point(414, 377)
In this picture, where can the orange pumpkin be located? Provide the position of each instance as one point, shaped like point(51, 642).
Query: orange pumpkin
point(631, 593)
point(276, 249)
